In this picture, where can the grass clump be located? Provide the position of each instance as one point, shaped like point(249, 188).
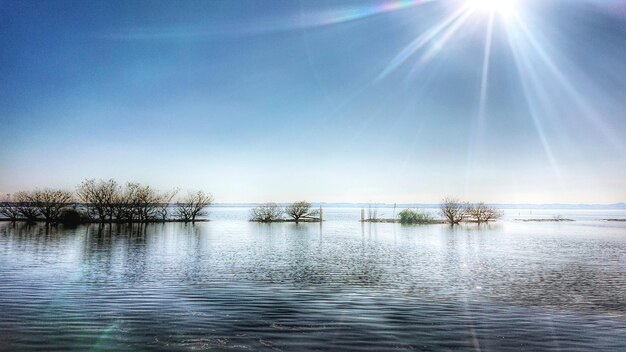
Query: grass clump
point(409, 216)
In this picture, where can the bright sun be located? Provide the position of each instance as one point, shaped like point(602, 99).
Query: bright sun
point(501, 7)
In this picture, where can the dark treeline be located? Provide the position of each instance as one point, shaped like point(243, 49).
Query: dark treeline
point(104, 201)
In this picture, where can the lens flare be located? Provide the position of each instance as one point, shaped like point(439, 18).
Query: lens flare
point(501, 7)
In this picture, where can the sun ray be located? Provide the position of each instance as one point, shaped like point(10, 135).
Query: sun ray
point(352, 13)
point(440, 43)
point(536, 100)
point(484, 82)
point(420, 42)
point(574, 96)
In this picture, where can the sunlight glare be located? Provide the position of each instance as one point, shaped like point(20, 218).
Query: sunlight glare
point(502, 7)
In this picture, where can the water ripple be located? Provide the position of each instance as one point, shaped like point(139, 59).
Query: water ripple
point(234, 286)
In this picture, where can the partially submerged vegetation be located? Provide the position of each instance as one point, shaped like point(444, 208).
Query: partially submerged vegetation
point(104, 201)
point(41, 204)
point(481, 212)
point(555, 219)
point(455, 212)
point(192, 206)
point(301, 211)
point(409, 216)
point(107, 201)
point(268, 212)
point(452, 212)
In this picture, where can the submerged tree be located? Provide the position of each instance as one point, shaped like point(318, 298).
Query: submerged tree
point(481, 212)
point(9, 208)
point(145, 203)
point(99, 197)
point(26, 206)
point(103, 201)
point(453, 210)
point(49, 202)
point(301, 210)
point(165, 199)
point(192, 206)
point(267, 212)
point(123, 205)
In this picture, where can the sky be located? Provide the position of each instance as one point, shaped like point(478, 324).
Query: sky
point(327, 101)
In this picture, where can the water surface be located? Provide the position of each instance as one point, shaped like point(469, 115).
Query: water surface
point(233, 285)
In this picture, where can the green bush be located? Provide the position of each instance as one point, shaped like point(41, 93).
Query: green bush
point(409, 216)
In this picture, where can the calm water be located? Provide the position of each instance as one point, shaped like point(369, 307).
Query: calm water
point(237, 286)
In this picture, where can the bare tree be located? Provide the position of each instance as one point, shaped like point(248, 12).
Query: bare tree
point(267, 212)
point(192, 206)
point(301, 210)
point(145, 203)
point(26, 206)
point(123, 207)
point(9, 208)
point(481, 212)
point(165, 199)
point(453, 210)
point(100, 197)
point(49, 202)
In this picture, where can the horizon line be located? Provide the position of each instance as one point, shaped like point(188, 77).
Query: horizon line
point(383, 204)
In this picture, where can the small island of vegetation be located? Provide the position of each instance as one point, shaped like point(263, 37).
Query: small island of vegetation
point(105, 201)
point(301, 211)
point(452, 211)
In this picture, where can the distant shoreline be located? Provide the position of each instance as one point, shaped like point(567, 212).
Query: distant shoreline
point(546, 220)
point(286, 220)
point(613, 206)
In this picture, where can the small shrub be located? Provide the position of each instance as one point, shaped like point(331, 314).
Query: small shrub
point(409, 216)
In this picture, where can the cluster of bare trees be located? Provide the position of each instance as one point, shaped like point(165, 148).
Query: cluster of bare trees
point(267, 212)
point(109, 201)
point(480, 212)
point(105, 201)
point(45, 204)
point(193, 205)
point(455, 211)
point(298, 211)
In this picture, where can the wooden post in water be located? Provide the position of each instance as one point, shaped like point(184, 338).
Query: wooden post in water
point(321, 214)
point(362, 215)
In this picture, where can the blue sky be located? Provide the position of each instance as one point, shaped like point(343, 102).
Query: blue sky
point(285, 100)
